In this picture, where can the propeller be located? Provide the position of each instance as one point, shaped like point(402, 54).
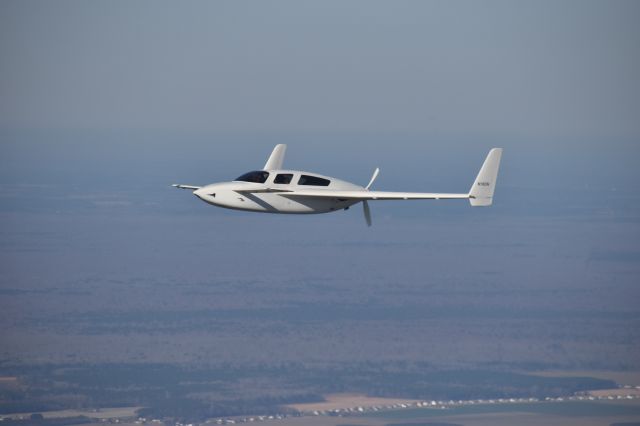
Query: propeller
point(375, 175)
point(367, 212)
point(365, 204)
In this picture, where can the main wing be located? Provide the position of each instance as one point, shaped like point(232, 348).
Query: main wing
point(371, 195)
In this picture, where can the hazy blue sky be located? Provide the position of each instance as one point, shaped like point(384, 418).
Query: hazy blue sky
point(547, 70)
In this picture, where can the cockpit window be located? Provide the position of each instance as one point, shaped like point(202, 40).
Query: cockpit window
point(259, 176)
point(313, 180)
point(283, 178)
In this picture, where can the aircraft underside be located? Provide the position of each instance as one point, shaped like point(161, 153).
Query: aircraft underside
point(276, 203)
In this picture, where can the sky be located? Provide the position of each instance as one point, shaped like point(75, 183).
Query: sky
point(545, 70)
point(149, 92)
point(104, 104)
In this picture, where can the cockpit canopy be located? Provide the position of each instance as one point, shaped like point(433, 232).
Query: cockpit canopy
point(258, 176)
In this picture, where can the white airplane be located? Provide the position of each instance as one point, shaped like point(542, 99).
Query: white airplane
point(276, 190)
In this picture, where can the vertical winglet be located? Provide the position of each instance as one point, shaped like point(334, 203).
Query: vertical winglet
point(276, 158)
point(481, 193)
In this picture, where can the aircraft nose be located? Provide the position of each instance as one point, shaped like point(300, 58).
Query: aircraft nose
point(200, 192)
point(205, 193)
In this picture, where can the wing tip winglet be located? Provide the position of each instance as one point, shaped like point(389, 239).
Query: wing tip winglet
point(483, 188)
point(276, 159)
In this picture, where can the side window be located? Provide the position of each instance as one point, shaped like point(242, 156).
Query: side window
point(284, 178)
point(313, 181)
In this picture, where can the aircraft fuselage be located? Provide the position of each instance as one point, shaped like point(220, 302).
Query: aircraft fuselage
point(242, 194)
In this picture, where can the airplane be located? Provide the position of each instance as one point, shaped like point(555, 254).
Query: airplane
point(276, 190)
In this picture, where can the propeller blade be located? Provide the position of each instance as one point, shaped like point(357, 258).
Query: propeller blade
point(367, 212)
point(375, 175)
